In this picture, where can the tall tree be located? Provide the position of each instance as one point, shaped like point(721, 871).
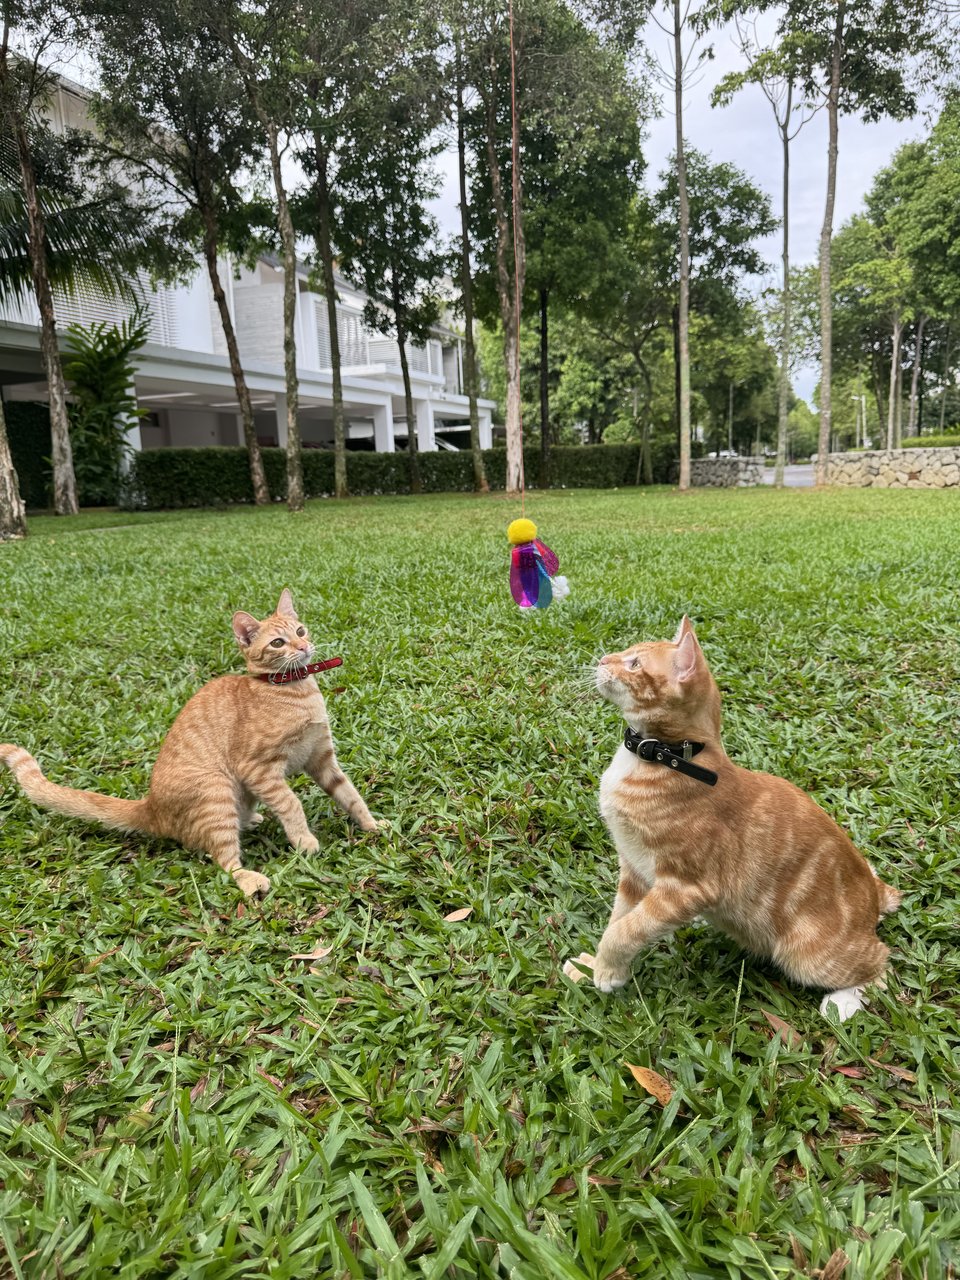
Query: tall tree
point(772, 70)
point(390, 239)
point(264, 41)
point(33, 36)
point(470, 373)
point(857, 57)
point(581, 147)
point(171, 109)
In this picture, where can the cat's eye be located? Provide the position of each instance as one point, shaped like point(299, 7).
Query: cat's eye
point(632, 662)
point(300, 631)
point(278, 643)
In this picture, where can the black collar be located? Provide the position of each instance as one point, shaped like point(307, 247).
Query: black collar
point(672, 755)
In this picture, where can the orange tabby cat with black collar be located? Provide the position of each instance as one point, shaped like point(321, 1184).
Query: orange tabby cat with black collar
point(233, 745)
point(699, 836)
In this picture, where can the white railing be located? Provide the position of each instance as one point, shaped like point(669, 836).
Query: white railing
point(87, 306)
point(363, 348)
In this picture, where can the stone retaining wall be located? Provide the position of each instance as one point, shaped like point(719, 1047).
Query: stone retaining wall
point(726, 473)
point(897, 468)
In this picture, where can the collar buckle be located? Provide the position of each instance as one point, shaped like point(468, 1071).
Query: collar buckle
point(672, 755)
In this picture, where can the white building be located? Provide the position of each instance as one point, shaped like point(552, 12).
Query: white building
point(183, 377)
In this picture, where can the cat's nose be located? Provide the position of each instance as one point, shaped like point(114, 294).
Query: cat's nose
point(607, 657)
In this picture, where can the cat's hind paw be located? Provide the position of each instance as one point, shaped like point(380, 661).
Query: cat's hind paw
point(308, 843)
point(846, 1002)
point(252, 883)
point(571, 967)
point(606, 978)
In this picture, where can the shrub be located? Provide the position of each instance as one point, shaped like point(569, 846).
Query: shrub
point(220, 476)
point(946, 441)
point(28, 427)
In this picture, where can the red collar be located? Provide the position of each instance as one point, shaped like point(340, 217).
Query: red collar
point(301, 673)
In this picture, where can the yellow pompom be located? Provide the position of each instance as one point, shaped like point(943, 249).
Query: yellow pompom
point(520, 531)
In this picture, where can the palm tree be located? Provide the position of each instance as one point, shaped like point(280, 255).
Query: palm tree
point(87, 242)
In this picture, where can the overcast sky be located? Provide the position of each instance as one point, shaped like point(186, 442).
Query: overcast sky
point(745, 134)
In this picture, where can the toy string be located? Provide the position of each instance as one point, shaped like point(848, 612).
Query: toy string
point(515, 139)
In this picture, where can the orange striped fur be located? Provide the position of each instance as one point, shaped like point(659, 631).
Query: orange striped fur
point(753, 855)
point(231, 747)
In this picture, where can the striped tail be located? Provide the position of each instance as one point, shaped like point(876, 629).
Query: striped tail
point(121, 815)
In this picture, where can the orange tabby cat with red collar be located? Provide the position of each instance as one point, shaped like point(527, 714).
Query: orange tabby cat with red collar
point(233, 745)
point(699, 836)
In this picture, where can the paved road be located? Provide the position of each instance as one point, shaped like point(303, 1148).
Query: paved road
point(795, 477)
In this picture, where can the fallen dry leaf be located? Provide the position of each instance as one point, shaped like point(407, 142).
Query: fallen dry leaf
point(900, 1072)
point(790, 1036)
point(798, 1252)
point(98, 960)
point(654, 1083)
point(853, 1072)
point(836, 1265)
point(599, 1180)
point(563, 1186)
point(573, 972)
point(317, 953)
point(198, 1089)
point(241, 910)
point(277, 1084)
point(460, 914)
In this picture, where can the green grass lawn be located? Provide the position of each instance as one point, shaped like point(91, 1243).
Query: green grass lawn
point(182, 1097)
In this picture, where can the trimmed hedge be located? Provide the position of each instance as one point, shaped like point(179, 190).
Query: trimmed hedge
point(28, 427)
point(948, 440)
point(164, 478)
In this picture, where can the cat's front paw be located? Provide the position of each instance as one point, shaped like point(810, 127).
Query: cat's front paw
point(308, 843)
point(607, 977)
point(252, 883)
point(572, 967)
point(367, 822)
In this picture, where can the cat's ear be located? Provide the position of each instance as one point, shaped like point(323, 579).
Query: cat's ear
point(286, 604)
point(245, 627)
point(688, 658)
point(685, 626)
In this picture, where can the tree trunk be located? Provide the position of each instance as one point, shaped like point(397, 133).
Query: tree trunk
point(783, 391)
point(413, 448)
point(946, 371)
point(509, 286)
point(899, 428)
point(683, 314)
point(730, 420)
point(544, 393)
point(826, 236)
point(289, 253)
point(877, 393)
point(64, 481)
point(13, 519)
point(261, 493)
point(325, 250)
point(675, 327)
point(915, 378)
point(480, 484)
point(894, 380)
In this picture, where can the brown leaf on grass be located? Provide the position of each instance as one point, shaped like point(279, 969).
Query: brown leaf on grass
point(98, 960)
point(241, 910)
point(654, 1083)
point(460, 914)
point(317, 953)
point(277, 1084)
point(836, 1265)
point(790, 1036)
point(563, 1186)
point(853, 1072)
point(900, 1072)
point(600, 1180)
point(198, 1089)
point(798, 1252)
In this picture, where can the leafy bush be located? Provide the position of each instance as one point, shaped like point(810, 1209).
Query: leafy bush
point(946, 441)
point(221, 476)
point(103, 406)
point(28, 428)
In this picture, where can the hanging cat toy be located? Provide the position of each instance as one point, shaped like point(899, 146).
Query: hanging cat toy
point(533, 566)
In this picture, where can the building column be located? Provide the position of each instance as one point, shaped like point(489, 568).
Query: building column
point(383, 428)
point(280, 403)
point(486, 429)
point(134, 436)
point(426, 441)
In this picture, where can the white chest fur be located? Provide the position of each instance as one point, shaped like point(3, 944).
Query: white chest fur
point(627, 836)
